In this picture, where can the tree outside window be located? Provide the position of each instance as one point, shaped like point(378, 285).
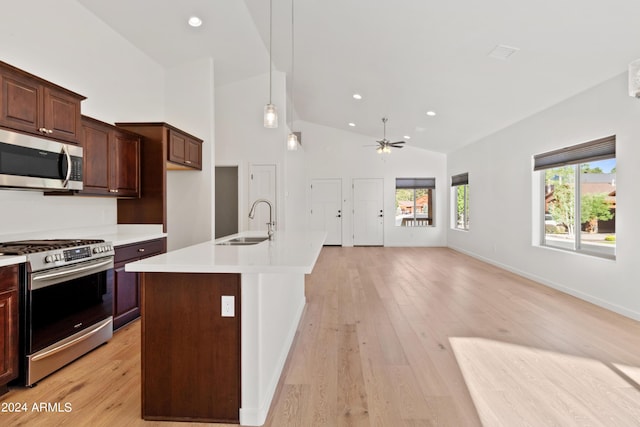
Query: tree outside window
point(581, 217)
point(414, 201)
point(579, 197)
point(460, 197)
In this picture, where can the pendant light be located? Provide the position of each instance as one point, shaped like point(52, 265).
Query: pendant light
point(270, 110)
point(292, 138)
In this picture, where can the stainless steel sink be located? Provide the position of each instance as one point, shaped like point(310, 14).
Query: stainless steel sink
point(243, 241)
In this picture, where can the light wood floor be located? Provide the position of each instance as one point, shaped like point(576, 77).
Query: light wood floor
point(404, 336)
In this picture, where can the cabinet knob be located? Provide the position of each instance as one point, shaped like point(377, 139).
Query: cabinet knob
point(140, 249)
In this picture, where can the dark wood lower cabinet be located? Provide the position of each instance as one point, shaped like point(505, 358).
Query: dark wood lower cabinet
point(126, 287)
point(8, 325)
point(190, 353)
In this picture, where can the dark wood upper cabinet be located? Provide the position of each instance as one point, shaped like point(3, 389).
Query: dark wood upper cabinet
point(8, 325)
point(184, 150)
point(33, 105)
point(111, 160)
point(163, 148)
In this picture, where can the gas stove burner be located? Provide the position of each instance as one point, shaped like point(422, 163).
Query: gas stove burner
point(23, 247)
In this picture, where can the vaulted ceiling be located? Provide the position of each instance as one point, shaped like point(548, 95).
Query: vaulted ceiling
point(404, 57)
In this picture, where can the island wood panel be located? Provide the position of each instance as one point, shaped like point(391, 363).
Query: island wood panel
point(190, 354)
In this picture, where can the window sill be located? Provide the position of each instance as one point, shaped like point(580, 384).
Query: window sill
point(584, 253)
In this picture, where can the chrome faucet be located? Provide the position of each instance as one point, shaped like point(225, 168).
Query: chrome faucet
point(270, 224)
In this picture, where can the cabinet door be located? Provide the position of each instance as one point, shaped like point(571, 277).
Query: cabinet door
point(96, 162)
point(126, 287)
point(125, 173)
point(177, 147)
point(61, 115)
point(194, 154)
point(126, 301)
point(22, 107)
point(8, 324)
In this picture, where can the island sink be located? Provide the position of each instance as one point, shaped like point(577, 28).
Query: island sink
point(243, 241)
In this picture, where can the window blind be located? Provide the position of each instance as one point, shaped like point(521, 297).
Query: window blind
point(460, 179)
point(415, 183)
point(603, 148)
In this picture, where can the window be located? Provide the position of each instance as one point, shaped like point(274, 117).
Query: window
point(414, 201)
point(579, 197)
point(460, 197)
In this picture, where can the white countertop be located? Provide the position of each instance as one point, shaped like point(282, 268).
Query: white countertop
point(117, 234)
point(288, 252)
point(12, 259)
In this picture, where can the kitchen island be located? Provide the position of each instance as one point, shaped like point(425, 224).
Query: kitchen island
point(218, 320)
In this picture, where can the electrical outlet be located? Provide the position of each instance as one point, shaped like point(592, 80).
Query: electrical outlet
point(228, 306)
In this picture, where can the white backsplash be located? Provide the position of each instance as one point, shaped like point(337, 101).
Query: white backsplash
point(31, 211)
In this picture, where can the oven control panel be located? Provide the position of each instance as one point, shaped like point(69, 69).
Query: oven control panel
point(77, 253)
point(67, 256)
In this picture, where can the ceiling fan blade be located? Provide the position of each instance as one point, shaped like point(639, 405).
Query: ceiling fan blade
point(397, 146)
point(397, 142)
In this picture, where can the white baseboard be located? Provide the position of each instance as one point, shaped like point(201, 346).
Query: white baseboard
point(557, 286)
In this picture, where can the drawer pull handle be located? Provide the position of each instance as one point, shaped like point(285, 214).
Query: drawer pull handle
point(140, 249)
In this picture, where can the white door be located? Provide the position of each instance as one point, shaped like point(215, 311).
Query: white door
point(368, 212)
point(326, 209)
point(262, 185)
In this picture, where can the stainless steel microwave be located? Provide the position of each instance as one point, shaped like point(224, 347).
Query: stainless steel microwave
point(30, 162)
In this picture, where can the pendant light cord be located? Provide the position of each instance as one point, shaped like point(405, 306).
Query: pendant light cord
point(270, 41)
point(292, 63)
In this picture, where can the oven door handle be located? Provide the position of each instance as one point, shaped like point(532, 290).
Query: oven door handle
point(68, 272)
point(68, 344)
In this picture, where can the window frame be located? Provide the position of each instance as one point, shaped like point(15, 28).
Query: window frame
point(414, 184)
point(575, 157)
point(457, 182)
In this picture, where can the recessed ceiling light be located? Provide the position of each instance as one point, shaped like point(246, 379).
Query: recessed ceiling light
point(407, 137)
point(357, 96)
point(194, 21)
point(352, 124)
point(431, 113)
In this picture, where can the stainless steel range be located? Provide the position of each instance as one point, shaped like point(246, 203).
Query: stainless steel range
point(66, 302)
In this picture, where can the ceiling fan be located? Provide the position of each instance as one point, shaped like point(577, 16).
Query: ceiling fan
point(384, 145)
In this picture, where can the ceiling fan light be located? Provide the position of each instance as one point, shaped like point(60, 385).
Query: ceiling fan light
point(379, 150)
point(270, 116)
point(292, 142)
point(386, 149)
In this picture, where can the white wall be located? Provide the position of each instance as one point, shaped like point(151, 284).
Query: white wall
point(334, 153)
point(504, 196)
point(64, 43)
point(242, 139)
point(190, 107)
